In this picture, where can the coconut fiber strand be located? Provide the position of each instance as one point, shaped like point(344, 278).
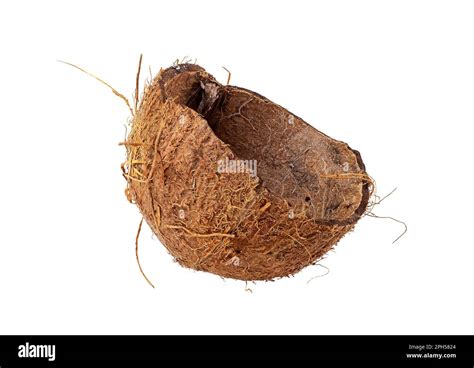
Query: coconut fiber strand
point(307, 192)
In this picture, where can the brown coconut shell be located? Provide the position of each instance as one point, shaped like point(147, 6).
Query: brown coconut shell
point(309, 191)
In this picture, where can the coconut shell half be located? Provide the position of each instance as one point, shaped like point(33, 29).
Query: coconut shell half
point(306, 190)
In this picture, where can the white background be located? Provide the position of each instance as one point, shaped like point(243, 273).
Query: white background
point(394, 79)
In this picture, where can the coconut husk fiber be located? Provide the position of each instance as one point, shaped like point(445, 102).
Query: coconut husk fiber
point(309, 191)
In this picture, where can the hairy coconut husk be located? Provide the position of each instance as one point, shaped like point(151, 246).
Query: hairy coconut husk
point(309, 191)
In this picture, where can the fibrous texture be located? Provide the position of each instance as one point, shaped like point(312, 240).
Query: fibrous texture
point(306, 190)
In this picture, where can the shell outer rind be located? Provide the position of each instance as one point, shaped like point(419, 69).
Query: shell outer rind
point(309, 192)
